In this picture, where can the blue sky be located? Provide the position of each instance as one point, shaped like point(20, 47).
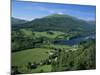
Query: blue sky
point(32, 10)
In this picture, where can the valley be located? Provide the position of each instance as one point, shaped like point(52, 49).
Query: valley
point(53, 43)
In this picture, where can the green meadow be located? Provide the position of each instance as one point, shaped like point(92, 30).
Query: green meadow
point(33, 55)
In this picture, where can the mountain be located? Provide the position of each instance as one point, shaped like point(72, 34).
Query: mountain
point(17, 21)
point(61, 16)
point(92, 22)
point(57, 15)
point(57, 22)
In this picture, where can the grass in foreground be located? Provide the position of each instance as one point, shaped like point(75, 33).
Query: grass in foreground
point(21, 59)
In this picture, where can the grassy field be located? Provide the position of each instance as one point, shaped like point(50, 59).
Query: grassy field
point(37, 55)
point(32, 55)
point(44, 68)
point(45, 34)
point(48, 34)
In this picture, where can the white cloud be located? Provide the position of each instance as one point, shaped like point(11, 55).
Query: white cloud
point(60, 13)
point(51, 11)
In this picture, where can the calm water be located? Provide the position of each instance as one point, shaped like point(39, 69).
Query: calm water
point(75, 40)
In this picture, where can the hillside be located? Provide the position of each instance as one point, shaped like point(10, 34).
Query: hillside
point(17, 21)
point(56, 22)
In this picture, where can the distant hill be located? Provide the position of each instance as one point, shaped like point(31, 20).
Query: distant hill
point(57, 22)
point(58, 15)
point(17, 21)
point(92, 22)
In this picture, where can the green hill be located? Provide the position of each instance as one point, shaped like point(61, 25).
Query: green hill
point(57, 22)
point(17, 21)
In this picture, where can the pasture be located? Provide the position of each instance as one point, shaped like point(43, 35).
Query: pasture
point(37, 55)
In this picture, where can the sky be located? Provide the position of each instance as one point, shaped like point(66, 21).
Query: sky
point(33, 10)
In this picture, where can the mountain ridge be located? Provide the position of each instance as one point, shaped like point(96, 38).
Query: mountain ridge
point(17, 20)
point(57, 22)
